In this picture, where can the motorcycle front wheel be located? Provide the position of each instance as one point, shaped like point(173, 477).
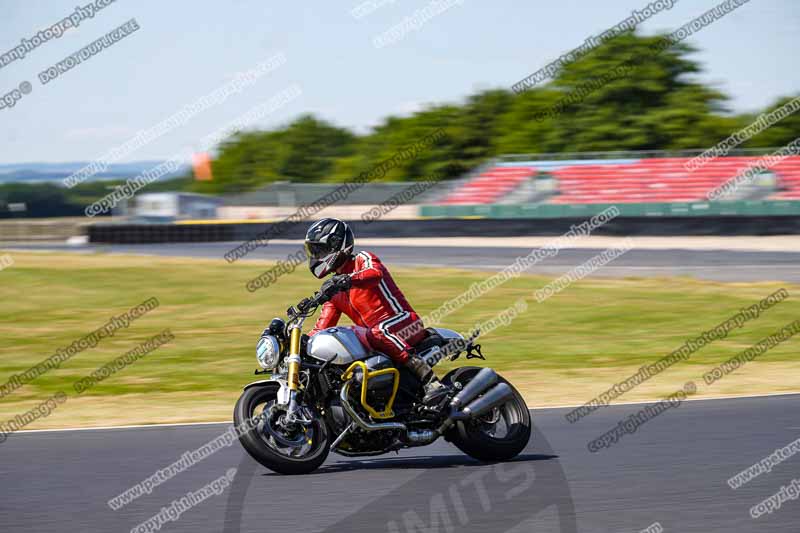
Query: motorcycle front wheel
point(292, 449)
point(501, 434)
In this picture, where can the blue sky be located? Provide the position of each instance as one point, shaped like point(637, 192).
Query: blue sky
point(186, 49)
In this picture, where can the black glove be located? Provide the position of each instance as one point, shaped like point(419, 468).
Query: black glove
point(303, 306)
point(327, 290)
point(342, 282)
point(337, 283)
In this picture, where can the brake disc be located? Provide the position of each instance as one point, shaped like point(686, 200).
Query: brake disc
point(289, 436)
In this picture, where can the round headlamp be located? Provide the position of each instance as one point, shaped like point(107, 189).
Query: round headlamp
point(267, 351)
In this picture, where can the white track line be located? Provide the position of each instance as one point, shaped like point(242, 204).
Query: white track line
point(714, 398)
point(179, 424)
point(133, 426)
point(768, 243)
point(623, 267)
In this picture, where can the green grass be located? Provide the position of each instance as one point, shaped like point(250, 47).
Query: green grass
point(50, 300)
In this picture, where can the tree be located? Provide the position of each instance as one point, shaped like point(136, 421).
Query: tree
point(781, 133)
point(629, 93)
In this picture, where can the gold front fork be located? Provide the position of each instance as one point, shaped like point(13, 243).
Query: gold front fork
point(293, 378)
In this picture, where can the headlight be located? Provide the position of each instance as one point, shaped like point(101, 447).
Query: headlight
point(267, 351)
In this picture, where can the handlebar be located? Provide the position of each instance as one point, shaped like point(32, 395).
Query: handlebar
point(307, 305)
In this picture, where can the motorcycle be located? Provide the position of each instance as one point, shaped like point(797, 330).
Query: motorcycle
point(332, 392)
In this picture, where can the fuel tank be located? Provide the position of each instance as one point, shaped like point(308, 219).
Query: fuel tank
point(339, 345)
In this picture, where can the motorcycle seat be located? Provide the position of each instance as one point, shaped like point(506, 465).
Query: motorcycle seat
point(431, 339)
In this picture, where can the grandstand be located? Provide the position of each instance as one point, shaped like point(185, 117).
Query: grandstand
point(490, 186)
point(641, 180)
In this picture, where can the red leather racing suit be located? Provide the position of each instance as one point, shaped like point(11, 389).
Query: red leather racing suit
point(375, 302)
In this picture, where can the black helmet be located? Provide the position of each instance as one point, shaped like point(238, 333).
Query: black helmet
point(329, 243)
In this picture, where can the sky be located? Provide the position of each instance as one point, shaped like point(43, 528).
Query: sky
point(186, 49)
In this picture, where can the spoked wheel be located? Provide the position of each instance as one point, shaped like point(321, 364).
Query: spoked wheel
point(499, 435)
point(279, 446)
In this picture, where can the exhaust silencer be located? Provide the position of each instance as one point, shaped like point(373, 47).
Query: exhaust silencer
point(497, 395)
point(484, 379)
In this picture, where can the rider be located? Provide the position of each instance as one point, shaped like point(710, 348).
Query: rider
point(370, 297)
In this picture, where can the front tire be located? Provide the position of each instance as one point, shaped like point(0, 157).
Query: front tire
point(265, 449)
point(477, 439)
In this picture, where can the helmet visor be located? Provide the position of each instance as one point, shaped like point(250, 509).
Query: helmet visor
point(318, 250)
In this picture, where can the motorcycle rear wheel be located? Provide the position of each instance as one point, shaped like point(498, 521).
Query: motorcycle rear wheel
point(477, 438)
point(272, 450)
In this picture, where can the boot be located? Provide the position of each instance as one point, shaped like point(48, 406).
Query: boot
point(434, 389)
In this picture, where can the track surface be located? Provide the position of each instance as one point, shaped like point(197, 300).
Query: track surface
point(673, 470)
point(711, 265)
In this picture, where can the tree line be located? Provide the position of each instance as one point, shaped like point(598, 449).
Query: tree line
point(619, 96)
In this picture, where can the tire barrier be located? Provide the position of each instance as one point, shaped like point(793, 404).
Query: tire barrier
point(454, 227)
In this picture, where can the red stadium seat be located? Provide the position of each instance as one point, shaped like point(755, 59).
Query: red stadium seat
point(490, 186)
point(646, 180)
point(663, 180)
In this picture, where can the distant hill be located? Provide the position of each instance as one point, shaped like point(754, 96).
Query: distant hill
point(55, 172)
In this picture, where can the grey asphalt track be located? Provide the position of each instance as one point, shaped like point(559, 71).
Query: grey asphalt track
point(716, 265)
point(673, 471)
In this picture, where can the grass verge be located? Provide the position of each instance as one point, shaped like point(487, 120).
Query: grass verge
point(565, 350)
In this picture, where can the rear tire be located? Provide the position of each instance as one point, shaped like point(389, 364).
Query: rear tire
point(256, 445)
point(472, 439)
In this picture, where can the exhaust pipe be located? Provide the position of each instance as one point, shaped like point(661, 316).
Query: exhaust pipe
point(483, 382)
point(421, 438)
point(410, 438)
point(360, 422)
point(484, 379)
point(497, 395)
